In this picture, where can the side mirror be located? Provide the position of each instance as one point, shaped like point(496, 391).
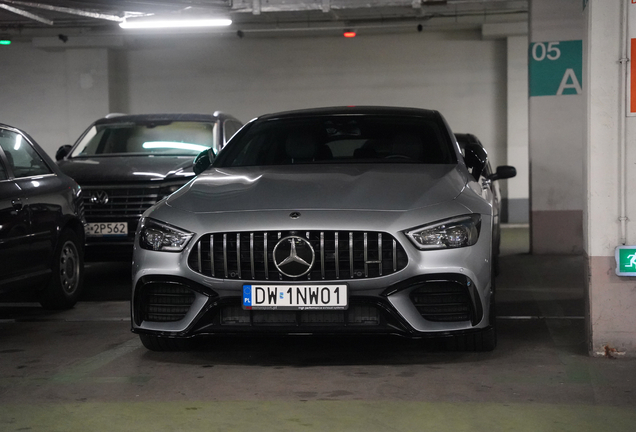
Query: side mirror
point(62, 152)
point(503, 172)
point(203, 161)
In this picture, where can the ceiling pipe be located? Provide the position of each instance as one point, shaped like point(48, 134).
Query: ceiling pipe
point(622, 141)
point(70, 11)
point(26, 14)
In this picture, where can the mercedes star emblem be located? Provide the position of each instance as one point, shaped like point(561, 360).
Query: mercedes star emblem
point(294, 215)
point(99, 197)
point(293, 256)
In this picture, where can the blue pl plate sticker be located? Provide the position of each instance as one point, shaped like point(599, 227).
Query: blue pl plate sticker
point(247, 295)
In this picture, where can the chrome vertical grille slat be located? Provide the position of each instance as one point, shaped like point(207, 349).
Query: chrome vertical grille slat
point(266, 256)
point(199, 257)
point(394, 255)
point(380, 249)
point(252, 254)
point(322, 255)
point(212, 255)
point(366, 256)
point(351, 255)
point(225, 254)
point(238, 255)
point(337, 255)
point(249, 255)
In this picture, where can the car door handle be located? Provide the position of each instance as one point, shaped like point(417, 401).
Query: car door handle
point(17, 204)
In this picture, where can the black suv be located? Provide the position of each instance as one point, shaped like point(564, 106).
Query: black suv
point(126, 163)
point(41, 223)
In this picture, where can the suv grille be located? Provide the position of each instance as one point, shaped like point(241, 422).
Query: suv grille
point(122, 201)
point(338, 255)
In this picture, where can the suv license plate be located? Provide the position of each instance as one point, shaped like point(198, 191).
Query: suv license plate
point(295, 297)
point(102, 229)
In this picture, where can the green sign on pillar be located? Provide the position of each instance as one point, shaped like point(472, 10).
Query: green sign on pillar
point(626, 260)
point(556, 68)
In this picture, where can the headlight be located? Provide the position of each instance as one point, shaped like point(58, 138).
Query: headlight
point(157, 236)
point(455, 232)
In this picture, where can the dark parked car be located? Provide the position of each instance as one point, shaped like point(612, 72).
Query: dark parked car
point(344, 220)
point(476, 159)
point(41, 223)
point(126, 163)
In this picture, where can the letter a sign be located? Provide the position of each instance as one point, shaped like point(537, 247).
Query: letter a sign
point(556, 68)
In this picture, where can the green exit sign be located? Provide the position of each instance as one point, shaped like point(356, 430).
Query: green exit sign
point(626, 260)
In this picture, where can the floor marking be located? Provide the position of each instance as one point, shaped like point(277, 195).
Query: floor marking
point(81, 371)
point(538, 317)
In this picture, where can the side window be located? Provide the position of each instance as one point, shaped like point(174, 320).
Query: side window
point(22, 158)
point(3, 170)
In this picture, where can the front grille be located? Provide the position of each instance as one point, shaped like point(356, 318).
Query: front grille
point(443, 301)
point(338, 255)
point(355, 315)
point(122, 200)
point(165, 301)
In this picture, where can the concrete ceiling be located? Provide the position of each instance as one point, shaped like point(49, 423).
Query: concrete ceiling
point(19, 17)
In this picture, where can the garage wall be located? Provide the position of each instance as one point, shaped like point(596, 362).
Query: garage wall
point(33, 92)
point(54, 93)
point(456, 73)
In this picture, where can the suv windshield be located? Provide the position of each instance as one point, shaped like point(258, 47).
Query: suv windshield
point(177, 138)
point(340, 139)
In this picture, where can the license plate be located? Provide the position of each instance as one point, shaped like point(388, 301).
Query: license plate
point(101, 229)
point(295, 297)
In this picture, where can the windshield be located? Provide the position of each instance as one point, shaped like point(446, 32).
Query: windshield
point(177, 138)
point(340, 139)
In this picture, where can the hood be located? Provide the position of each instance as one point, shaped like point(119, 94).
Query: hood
point(394, 187)
point(127, 169)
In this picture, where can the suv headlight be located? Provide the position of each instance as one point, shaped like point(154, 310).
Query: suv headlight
point(158, 236)
point(460, 231)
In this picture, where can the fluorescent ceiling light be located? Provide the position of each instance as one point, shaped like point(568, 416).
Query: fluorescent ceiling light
point(148, 24)
point(174, 145)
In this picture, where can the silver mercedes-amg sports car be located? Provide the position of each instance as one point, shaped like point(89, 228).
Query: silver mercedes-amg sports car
point(332, 221)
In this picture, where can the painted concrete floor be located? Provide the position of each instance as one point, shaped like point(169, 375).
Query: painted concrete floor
point(82, 370)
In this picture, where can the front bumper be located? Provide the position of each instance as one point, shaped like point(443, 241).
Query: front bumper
point(442, 303)
point(436, 293)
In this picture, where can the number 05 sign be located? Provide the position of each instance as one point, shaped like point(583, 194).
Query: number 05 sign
point(556, 68)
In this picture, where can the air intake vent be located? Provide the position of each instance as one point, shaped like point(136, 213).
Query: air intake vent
point(339, 255)
point(443, 301)
point(166, 302)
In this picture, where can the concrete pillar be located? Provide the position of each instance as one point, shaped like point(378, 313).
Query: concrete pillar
point(611, 299)
point(556, 125)
point(515, 204)
point(517, 133)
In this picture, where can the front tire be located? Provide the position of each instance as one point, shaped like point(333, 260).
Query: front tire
point(67, 280)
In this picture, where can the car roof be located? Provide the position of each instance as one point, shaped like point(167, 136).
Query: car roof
point(352, 110)
point(144, 118)
point(465, 138)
